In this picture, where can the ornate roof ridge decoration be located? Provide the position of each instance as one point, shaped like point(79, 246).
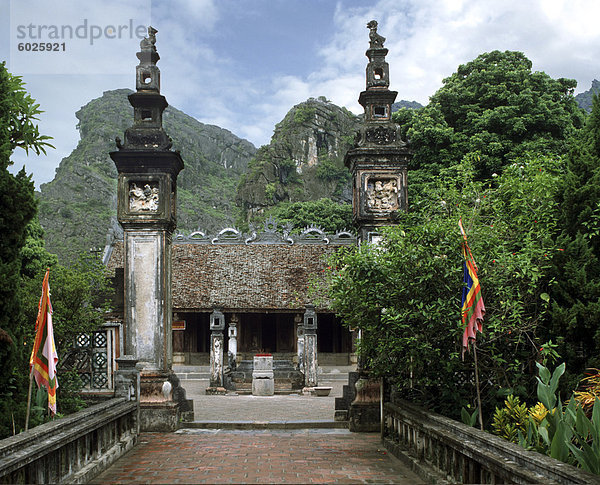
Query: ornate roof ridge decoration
point(272, 233)
point(312, 235)
point(229, 235)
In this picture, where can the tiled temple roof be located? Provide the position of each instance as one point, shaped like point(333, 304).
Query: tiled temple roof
point(265, 271)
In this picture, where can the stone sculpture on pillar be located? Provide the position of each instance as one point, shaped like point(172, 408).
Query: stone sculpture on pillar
point(311, 365)
point(146, 201)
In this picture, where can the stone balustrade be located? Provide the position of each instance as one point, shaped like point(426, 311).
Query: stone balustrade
point(445, 451)
point(72, 449)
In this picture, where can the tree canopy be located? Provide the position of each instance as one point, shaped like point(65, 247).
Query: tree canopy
point(494, 106)
point(405, 296)
point(77, 292)
point(324, 213)
point(575, 316)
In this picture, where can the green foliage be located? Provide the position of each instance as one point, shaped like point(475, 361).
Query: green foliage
point(405, 328)
point(303, 113)
point(323, 213)
point(575, 293)
point(587, 396)
point(270, 191)
point(468, 418)
point(563, 432)
point(496, 106)
point(17, 207)
point(79, 294)
point(287, 172)
point(586, 439)
point(328, 170)
point(511, 420)
point(20, 115)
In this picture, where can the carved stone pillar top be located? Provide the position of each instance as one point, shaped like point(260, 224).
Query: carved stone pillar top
point(310, 319)
point(217, 320)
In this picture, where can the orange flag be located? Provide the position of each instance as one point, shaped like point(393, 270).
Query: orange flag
point(43, 355)
point(473, 309)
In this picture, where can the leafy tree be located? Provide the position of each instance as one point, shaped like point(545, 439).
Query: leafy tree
point(404, 294)
point(79, 293)
point(575, 316)
point(76, 291)
point(495, 106)
point(18, 112)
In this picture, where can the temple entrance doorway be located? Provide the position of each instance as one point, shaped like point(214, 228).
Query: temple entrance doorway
point(259, 332)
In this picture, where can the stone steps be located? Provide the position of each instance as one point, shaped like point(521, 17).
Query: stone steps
point(249, 425)
point(202, 372)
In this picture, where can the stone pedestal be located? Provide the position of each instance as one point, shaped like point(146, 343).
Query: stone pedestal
point(163, 403)
point(263, 383)
point(364, 412)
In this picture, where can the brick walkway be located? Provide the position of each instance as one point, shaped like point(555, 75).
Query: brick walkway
point(304, 456)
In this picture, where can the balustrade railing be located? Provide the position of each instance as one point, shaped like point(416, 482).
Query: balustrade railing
point(72, 449)
point(445, 451)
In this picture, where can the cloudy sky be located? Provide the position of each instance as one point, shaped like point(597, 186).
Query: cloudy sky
point(242, 64)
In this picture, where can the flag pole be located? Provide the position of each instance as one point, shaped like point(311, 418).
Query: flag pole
point(477, 386)
point(29, 400)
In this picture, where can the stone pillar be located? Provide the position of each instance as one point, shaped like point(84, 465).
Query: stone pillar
point(232, 347)
point(299, 341)
point(378, 163)
point(146, 208)
point(311, 364)
point(148, 311)
point(217, 325)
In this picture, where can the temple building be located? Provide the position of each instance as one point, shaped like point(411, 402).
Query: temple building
point(259, 283)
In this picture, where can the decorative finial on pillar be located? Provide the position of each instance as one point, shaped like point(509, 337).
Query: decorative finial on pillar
point(378, 70)
point(376, 39)
point(147, 132)
point(147, 74)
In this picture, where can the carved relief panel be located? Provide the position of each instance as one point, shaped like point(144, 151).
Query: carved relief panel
point(144, 197)
point(382, 194)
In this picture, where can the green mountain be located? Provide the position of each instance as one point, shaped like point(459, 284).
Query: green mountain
point(584, 100)
point(78, 207)
point(304, 160)
point(406, 104)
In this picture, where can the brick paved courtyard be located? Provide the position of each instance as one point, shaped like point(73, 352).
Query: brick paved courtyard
point(218, 456)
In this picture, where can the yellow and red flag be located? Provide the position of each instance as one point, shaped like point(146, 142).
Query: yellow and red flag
point(43, 355)
point(473, 309)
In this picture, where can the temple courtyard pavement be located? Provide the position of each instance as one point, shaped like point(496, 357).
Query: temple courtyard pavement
point(252, 439)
